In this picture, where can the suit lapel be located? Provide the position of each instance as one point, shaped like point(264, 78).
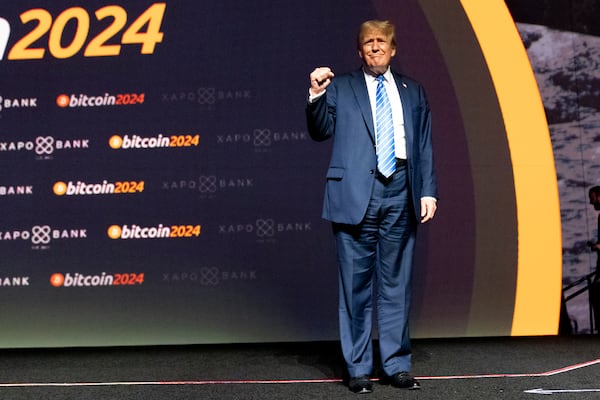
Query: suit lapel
point(406, 111)
point(359, 86)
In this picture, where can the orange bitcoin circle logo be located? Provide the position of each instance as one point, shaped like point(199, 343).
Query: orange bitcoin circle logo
point(62, 100)
point(57, 280)
point(114, 232)
point(115, 142)
point(59, 188)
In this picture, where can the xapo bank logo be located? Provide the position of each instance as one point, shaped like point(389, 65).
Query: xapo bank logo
point(208, 185)
point(265, 229)
point(17, 103)
point(41, 236)
point(126, 142)
point(16, 190)
point(262, 139)
point(44, 147)
point(208, 96)
point(209, 276)
point(105, 100)
point(89, 189)
point(77, 279)
point(14, 281)
point(128, 232)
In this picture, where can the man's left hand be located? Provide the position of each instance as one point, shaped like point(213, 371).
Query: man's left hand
point(428, 207)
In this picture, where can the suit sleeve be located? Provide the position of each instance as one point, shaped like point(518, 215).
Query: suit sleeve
point(428, 179)
point(320, 116)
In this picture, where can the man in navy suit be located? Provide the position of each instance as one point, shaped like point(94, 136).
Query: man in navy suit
point(374, 214)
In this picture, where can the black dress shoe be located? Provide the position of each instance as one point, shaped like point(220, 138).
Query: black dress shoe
point(360, 384)
point(404, 380)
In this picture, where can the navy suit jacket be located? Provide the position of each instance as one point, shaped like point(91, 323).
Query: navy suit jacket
point(344, 114)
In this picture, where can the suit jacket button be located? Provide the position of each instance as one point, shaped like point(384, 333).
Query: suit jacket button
point(371, 172)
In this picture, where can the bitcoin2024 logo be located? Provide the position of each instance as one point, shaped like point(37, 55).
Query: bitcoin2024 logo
point(144, 30)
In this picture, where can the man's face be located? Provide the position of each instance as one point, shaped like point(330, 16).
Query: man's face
point(595, 201)
point(376, 51)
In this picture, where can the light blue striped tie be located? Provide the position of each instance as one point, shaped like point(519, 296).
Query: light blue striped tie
point(384, 130)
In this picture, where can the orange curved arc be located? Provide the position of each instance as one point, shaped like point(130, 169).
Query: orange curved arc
point(539, 276)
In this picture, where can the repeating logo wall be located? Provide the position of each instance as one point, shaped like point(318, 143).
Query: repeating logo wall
point(158, 175)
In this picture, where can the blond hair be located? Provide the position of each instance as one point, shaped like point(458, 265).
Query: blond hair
point(385, 27)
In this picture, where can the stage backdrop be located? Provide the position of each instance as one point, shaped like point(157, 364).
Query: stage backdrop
point(158, 184)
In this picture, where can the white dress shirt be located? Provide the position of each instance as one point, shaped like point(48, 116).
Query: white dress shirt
point(395, 102)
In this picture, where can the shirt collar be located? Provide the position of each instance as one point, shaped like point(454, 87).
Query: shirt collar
point(387, 75)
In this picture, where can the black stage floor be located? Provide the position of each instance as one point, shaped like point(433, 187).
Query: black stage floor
point(490, 368)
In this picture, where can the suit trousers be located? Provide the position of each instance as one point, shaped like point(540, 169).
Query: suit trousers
point(375, 266)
